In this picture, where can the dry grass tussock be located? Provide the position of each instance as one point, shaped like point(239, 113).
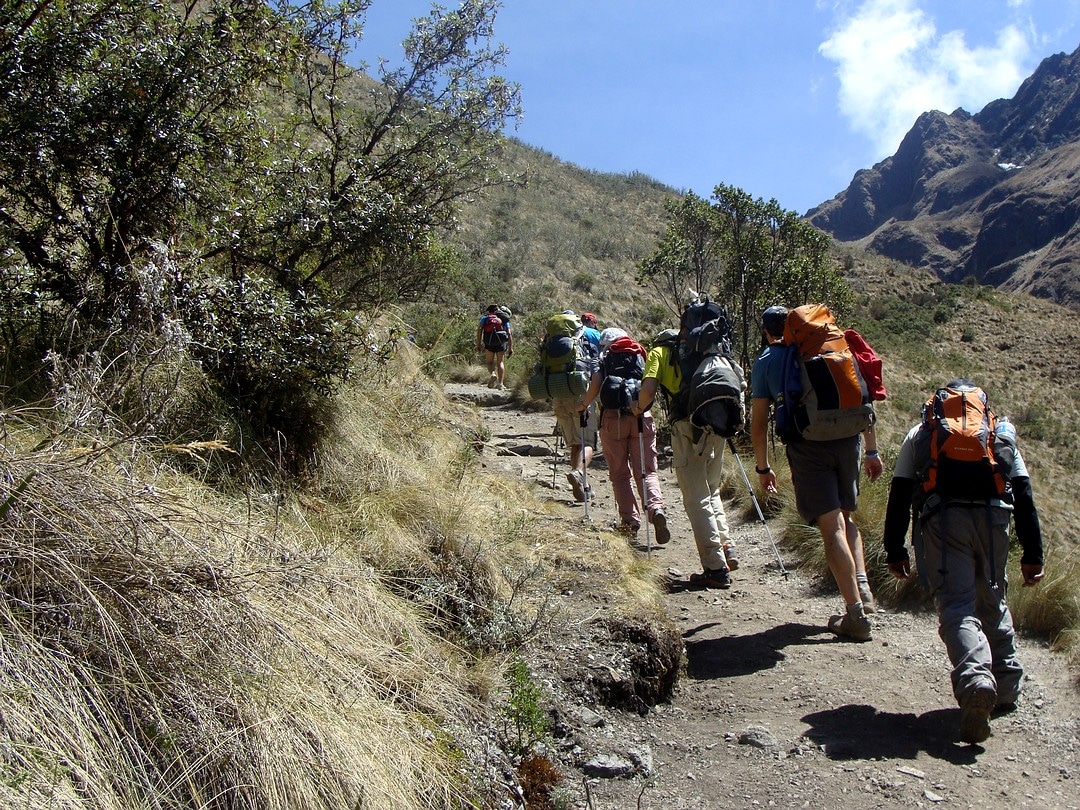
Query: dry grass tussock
point(165, 645)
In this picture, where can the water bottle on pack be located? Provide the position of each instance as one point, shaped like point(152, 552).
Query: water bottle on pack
point(1004, 444)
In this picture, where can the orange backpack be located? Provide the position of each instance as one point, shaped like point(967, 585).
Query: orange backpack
point(957, 458)
point(825, 396)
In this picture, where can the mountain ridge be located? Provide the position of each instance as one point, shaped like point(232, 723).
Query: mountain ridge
point(990, 196)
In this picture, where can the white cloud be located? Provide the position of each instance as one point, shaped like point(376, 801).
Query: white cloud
point(893, 66)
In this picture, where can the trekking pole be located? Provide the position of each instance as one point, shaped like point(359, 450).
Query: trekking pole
point(555, 458)
point(584, 462)
point(757, 506)
point(644, 505)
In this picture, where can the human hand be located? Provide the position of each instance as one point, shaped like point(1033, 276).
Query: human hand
point(874, 467)
point(901, 569)
point(768, 482)
point(1032, 574)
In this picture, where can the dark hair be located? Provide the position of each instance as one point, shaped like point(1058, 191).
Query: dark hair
point(772, 320)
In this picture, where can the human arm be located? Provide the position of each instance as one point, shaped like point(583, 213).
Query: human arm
point(1028, 530)
point(897, 521)
point(646, 396)
point(871, 458)
point(591, 393)
point(759, 435)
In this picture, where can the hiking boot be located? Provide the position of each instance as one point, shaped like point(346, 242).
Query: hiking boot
point(576, 484)
point(712, 578)
point(493, 380)
point(869, 604)
point(629, 529)
point(731, 556)
point(975, 709)
point(663, 533)
point(856, 628)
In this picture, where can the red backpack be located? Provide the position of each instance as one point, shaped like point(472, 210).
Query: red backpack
point(495, 333)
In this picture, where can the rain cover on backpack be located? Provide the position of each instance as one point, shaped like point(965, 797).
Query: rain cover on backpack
point(711, 395)
point(824, 395)
point(954, 450)
point(621, 369)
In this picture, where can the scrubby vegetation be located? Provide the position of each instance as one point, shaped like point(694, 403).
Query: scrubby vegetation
point(249, 556)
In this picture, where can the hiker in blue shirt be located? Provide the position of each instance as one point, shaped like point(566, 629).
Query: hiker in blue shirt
point(825, 477)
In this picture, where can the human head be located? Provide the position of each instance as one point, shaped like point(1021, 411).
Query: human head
point(610, 335)
point(568, 312)
point(492, 307)
point(772, 320)
point(588, 319)
point(961, 384)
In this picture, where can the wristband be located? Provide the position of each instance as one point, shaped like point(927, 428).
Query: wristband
point(871, 454)
point(766, 471)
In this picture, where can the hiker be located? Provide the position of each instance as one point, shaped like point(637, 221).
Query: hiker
point(629, 441)
point(592, 331)
point(697, 465)
point(960, 512)
point(825, 477)
point(567, 362)
point(496, 339)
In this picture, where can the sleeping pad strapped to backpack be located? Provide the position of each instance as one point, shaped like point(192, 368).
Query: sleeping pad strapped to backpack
point(567, 360)
point(824, 395)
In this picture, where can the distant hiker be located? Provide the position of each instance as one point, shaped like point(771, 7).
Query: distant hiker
point(567, 362)
point(496, 339)
point(824, 471)
point(629, 441)
point(959, 476)
point(592, 330)
point(697, 455)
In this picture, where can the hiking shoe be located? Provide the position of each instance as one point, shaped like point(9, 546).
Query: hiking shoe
point(663, 533)
point(856, 628)
point(712, 578)
point(574, 477)
point(869, 604)
point(732, 558)
point(493, 380)
point(629, 529)
point(975, 712)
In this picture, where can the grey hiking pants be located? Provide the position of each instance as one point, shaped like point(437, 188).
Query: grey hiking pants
point(961, 553)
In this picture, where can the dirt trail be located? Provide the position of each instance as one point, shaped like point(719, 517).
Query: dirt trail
point(772, 710)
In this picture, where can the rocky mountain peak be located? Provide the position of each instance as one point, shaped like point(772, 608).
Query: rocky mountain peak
point(990, 196)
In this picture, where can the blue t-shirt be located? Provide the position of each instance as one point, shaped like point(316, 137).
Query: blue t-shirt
point(593, 336)
point(767, 375)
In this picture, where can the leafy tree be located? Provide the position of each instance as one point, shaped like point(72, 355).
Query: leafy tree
point(235, 172)
point(744, 253)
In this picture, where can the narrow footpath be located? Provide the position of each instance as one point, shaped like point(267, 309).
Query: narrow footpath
point(772, 710)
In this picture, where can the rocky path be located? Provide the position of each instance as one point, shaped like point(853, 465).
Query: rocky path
point(772, 710)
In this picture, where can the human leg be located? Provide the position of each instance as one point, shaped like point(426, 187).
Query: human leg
point(992, 608)
point(500, 368)
point(862, 581)
point(690, 462)
point(618, 453)
point(948, 538)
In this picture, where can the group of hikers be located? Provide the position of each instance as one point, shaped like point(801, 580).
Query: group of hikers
point(958, 478)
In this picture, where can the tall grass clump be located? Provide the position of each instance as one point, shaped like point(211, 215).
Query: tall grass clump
point(336, 641)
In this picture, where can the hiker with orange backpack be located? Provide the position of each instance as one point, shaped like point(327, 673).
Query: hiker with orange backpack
point(825, 433)
point(959, 476)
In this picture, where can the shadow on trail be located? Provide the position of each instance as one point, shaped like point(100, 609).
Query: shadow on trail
point(731, 656)
point(858, 731)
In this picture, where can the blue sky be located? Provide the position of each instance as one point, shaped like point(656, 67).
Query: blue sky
point(786, 99)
